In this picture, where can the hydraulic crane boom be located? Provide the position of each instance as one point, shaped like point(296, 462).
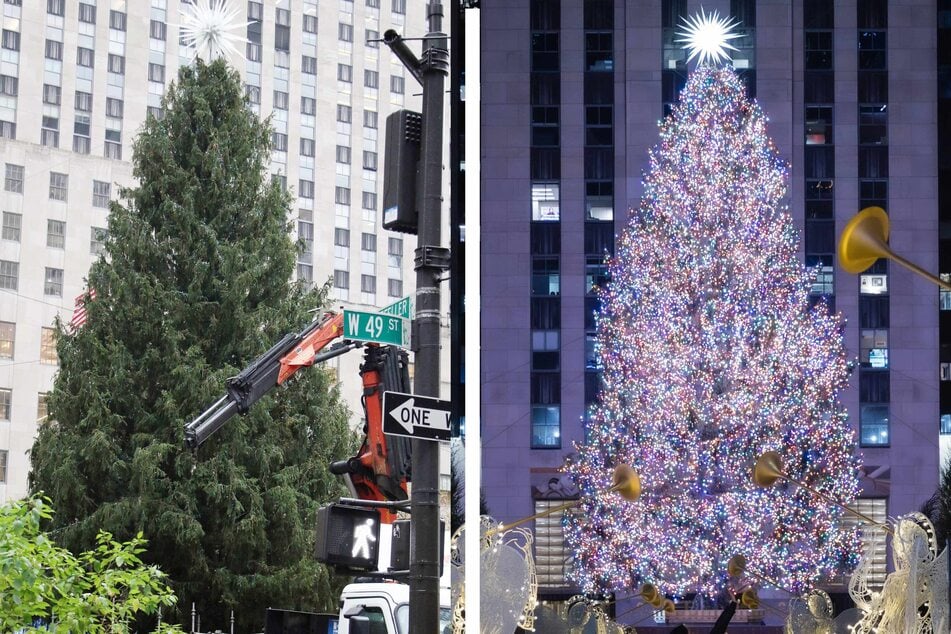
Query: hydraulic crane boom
point(271, 369)
point(380, 469)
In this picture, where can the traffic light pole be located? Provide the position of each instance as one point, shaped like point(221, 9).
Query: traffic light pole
point(432, 260)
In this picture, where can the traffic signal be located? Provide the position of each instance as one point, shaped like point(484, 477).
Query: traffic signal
point(348, 536)
point(404, 135)
point(399, 549)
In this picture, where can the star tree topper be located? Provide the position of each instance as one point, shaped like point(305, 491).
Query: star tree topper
point(207, 26)
point(707, 36)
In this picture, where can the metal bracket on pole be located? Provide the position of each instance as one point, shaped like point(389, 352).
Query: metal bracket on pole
point(432, 257)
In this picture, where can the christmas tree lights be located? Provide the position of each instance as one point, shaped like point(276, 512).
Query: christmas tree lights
point(711, 356)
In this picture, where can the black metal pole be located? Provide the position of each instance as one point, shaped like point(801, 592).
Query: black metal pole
point(432, 260)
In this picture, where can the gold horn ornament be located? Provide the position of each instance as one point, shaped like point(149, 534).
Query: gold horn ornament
point(865, 239)
point(769, 468)
point(626, 483)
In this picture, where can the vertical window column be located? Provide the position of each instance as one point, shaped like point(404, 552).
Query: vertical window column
point(9, 79)
point(158, 32)
point(874, 379)
point(545, 196)
point(673, 54)
point(598, 170)
point(115, 84)
point(819, 152)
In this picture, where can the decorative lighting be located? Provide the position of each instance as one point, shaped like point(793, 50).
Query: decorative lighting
point(207, 26)
point(707, 37)
point(712, 355)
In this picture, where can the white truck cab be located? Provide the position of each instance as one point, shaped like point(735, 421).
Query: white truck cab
point(383, 608)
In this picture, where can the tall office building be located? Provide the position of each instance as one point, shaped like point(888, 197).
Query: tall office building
point(77, 80)
point(572, 93)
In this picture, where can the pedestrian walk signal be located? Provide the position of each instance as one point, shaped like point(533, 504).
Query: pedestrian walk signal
point(348, 536)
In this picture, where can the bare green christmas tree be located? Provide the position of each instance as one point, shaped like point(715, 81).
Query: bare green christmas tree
point(194, 283)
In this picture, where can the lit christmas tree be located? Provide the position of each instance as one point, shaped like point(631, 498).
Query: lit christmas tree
point(711, 356)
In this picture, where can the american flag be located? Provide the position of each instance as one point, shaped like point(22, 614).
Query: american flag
point(79, 312)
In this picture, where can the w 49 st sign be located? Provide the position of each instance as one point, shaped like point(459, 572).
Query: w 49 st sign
point(416, 416)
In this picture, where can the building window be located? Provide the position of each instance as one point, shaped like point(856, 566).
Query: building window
point(11, 40)
point(306, 147)
point(341, 279)
point(372, 38)
point(54, 50)
point(546, 427)
point(368, 283)
point(9, 274)
point(8, 130)
point(280, 100)
point(305, 272)
point(546, 204)
point(83, 101)
point(3, 465)
point(369, 201)
point(157, 30)
point(255, 11)
point(279, 141)
point(114, 107)
point(101, 192)
point(13, 181)
point(252, 52)
point(368, 242)
point(874, 425)
point(395, 246)
point(344, 113)
point(49, 133)
point(81, 144)
point(12, 224)
point(87, 13)
point(48, 354)
point(345, 72)
point(342, 195)
point(308, 65)
point(552, 554)
point(9, 86)
point(308, 106)
point(116, 64)
point(59, 184)
point(310, 23)
point(305, 233)
point(546, 276)
point(873, 351)
point(345, 32)
point(53, 284)
point(341, 237)
point(85, 57)
point(399, 6)
point(6, 400)
point(394, 288)
point(97, 240)
point(56, 7)
point(369, 160)
point(370, 119)
point(253, 93)
point(157, 73)
point(56, 234)
point(51, 94)
point(343, 154)
point(42, 407)
point(371, 79)
point(7, 339)
point(117, 20)
point(306, 188)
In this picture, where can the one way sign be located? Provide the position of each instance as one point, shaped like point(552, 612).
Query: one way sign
point(415, 416)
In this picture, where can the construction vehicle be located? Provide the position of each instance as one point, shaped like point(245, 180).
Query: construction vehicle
point(380, 470)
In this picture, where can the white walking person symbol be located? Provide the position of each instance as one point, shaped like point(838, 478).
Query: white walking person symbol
point(362, 536)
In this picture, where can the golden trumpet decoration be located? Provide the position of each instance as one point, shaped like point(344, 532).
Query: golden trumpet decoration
point(625, 482)
point(865, 239)
point(769, 468)
point(736, 567)
point(749, 599)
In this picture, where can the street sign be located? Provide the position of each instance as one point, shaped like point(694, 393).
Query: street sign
point(376, 327)
point(416, 416)
point(401, 308)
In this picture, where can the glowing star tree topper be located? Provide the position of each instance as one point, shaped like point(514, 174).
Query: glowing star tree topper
point(711, 356)
point(207, 26)
point(707, 37)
